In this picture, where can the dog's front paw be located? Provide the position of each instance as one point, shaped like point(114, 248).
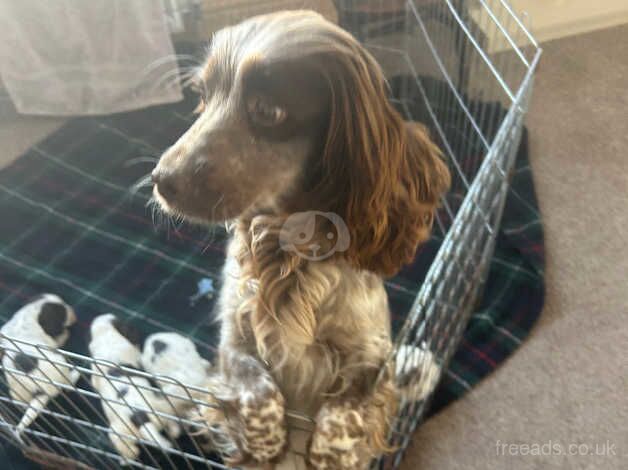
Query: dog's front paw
point(337, 442)
point(254, 419)
point(246, 421)
point(261, 409)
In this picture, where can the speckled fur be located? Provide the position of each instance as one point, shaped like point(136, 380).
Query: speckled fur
point(296, 333)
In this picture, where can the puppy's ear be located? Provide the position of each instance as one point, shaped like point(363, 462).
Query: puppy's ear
point(159, 346)
point(384, 175)
point(126, 330)
point(52, 318)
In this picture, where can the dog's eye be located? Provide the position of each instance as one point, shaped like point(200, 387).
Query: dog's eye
point(265, 113)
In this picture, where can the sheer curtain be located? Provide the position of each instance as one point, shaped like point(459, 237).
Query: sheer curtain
point(73, 57)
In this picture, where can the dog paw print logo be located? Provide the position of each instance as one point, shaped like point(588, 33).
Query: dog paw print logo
point(314, 235)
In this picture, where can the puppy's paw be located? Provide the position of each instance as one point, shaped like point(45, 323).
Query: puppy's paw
point(125, 446)
point(171, 427)
point(338, 440)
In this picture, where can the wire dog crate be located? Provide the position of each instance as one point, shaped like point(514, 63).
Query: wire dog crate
point(446, 57)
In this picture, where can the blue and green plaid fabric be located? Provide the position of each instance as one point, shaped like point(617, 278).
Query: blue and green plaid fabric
point(70, 225)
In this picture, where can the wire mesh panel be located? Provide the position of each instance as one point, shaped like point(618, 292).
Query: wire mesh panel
point(98, 418)
point(445, 60)
point(481, 160)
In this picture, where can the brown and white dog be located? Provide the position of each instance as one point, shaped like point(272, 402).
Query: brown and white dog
point(328, 190)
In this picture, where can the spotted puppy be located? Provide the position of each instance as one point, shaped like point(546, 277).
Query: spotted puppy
point(417, 371)
point(176, 357)
point(127, 396)
point(35, 373)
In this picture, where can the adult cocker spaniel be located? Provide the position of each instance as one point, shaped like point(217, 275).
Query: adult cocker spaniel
point(328, 190)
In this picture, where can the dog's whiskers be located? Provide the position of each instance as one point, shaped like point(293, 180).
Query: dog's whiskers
point(179, 220)
point(189, 82)
point(188, 79)
point(168, 59)
point(143, 182)
point(169, 225)
point(169, 78)
point(220, 199)
point(163, 219)
point(152, 203)
point(141, 159)
point(212, 231)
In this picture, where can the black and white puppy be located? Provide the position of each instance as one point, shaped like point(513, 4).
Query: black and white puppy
point(34, 374)
point(175, 356)
point(128, 398)
point(412, 362)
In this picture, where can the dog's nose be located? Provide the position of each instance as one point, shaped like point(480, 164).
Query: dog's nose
point(164, 183)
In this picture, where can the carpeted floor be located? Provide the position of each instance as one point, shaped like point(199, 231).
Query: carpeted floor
point(19, 132)
point(568, 383)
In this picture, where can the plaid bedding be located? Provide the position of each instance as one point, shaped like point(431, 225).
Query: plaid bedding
point(70, 225)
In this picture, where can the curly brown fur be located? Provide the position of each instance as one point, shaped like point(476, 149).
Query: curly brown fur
point(295, 122)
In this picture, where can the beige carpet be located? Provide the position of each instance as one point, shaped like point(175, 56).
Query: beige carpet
point(19, 132)
point(568, 384)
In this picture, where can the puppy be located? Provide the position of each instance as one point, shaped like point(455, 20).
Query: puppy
point(175, 356)
point(328, 191)
point(30, 371)
point(45, 320)
point(126, 396)
point(416, 371)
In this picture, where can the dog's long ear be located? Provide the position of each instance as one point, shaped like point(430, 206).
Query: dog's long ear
point(385, 175)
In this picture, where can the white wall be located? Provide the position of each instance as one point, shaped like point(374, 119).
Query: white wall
point(552, 19)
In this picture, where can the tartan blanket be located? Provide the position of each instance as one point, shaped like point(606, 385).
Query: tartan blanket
point(70, 225)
